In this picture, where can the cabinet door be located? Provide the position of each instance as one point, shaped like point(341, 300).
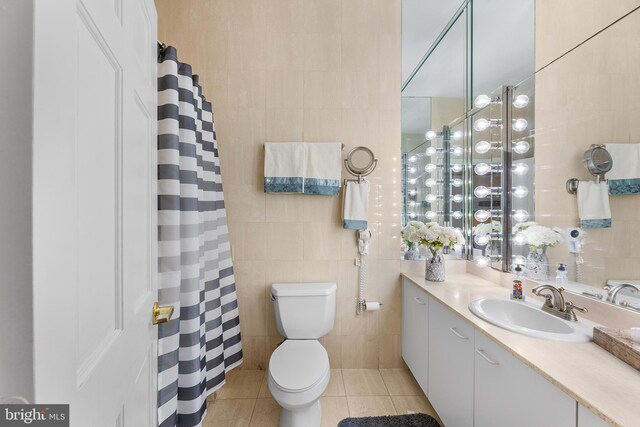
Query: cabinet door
point(508, 393)
point(586, 418)
point(415, 327)
point(450, 366)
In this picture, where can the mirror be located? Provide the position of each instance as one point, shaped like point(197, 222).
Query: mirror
point(360, 161)
point(529, 97)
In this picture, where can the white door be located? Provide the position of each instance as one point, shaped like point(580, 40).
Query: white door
point(94, 209)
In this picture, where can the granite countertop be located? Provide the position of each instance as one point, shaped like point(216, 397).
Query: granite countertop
point(586, 372)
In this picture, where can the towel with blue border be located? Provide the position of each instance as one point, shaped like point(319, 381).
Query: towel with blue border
point(624, 177)
point(593, 204)
point(355, 205)
point(307, 168)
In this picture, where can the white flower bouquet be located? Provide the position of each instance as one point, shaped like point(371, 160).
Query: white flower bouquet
point(432, 235)
point(537, 236)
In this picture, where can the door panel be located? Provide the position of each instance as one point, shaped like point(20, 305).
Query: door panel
point(94, 209)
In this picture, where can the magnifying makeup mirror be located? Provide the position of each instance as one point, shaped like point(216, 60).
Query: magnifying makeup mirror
point(360, 161)
point(598, 160)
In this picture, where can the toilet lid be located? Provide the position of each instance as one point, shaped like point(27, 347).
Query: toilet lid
point(298, 365)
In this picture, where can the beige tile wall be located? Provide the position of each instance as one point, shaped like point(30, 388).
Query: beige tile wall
point(302, 70)
point(590, 96)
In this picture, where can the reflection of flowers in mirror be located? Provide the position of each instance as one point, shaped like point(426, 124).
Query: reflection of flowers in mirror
point(488, 228)
point(538, 236)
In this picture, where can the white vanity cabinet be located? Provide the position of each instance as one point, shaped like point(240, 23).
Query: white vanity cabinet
point(586, 418)
point(415, 329)
point(508, 393)
point(450, 374)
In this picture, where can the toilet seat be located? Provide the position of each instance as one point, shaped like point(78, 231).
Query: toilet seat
point(298, 365)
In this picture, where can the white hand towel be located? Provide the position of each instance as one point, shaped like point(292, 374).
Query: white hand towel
point(624, 177)
point(355, 205)
point(284, 166)
point(323, 168)
point(593, 204)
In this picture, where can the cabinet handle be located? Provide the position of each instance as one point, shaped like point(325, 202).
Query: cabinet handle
point(419, 301)
point(458, 334)
point(485, 357)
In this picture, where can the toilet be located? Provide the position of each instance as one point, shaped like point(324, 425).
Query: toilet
point(299, 367)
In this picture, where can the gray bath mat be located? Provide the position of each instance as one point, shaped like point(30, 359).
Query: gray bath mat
point(411, 420)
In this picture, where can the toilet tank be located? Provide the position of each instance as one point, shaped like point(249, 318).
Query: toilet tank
point(304, 310)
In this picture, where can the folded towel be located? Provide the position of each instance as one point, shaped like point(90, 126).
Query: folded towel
point(624, 177)
point(593, 204)
point(284, 166)
point(355, 205)
point(323, 168)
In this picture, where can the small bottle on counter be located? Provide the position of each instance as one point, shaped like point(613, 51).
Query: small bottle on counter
point(561, 275)
point(516, 293)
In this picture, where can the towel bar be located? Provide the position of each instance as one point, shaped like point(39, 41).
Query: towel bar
point(303, 143)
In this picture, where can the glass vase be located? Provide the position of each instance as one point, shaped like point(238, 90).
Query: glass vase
point(434, 267)
point(537, 266)
point(412, 254)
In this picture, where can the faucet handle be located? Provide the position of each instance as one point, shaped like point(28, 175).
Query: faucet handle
point(571, 306)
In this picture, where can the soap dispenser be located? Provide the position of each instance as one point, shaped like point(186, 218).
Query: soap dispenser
point(516, 293)
point(561, 275)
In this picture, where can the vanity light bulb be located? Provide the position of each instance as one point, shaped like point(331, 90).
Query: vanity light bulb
point(483, 261)
point(412, 159)
point(521, 147)
point(431, 151)
point(481, 191)
point(521, 101)
point(457, 182)
point(457, 198)
point(520, 192)
point(431, 215)
point(430, 182)
point(456, 215)
point(457, 135)
point(519, 260)
point(430, 135)
point(483, 147)
point(520, 239)
point(457, 150)
point(430, 167)
point(521, 215)
point(481, 239)
point(482, 215)
point(481, 124)
point(520, 124)
point(520, 168)
point(482, 169)
point(412, 203)
point(412, 169)
point(413, 192)
point(457, 167)
point(412, 181)
point(431, 198)
point(482, 101)
point(412, 215)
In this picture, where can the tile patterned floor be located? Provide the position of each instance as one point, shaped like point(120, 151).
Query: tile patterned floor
point(245, 401)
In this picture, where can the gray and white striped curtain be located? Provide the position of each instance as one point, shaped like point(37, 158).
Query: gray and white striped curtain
point(202, 340)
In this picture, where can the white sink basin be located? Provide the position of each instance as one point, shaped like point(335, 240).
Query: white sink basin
point(527, 319)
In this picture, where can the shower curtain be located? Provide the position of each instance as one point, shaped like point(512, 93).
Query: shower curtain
point(202, 340)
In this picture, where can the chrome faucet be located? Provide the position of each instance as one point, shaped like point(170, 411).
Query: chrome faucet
point(613, 291)
point(555, 304)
